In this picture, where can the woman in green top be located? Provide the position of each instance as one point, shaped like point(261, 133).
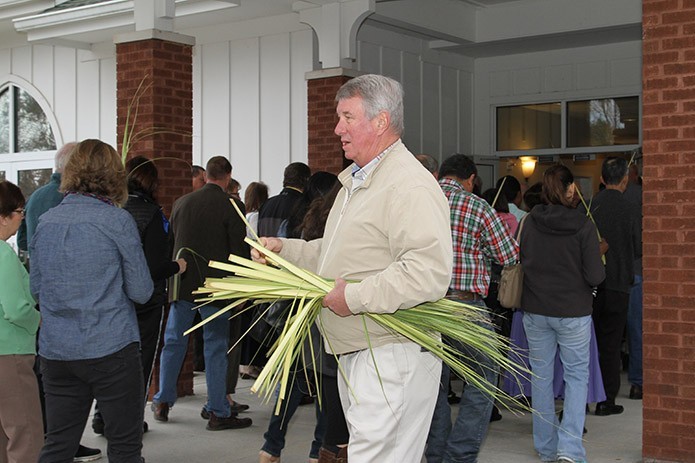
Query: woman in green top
point(21, 438)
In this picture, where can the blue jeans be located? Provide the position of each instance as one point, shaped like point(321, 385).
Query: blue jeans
point(552, 439)
point(215, 335)
point(634, 333)
point(462, 443)
point(277, 428)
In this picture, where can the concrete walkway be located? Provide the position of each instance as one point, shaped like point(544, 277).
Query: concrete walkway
point(184, 439)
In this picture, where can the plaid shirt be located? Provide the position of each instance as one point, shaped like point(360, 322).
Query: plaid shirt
point(479, 237)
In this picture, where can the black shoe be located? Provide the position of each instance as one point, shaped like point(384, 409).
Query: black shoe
point(306, 400)
point(452, 398)
point(605, 409)
point(636, 392)
point(236, 407)
point(161, 411)
point(205, 414)
point(98, 424)
point(495, 415)
point(145, 427)
point(231, 422)
point(87, 454)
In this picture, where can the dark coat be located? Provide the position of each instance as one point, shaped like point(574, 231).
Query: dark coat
point(153, 228)
point(276, 210)
point(560, 255)
point(620, 223)
point(207, 227)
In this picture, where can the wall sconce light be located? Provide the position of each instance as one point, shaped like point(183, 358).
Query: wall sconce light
point(528, 165)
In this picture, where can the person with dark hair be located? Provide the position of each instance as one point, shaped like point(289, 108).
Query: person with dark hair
point(206, 227)
point(619, 222)
point(198, 178)
point(20, 409)
point(479, 238)
point(532, 197)
point(633, 193)
point(323, 188)
point(153, 228)
point(388, 235)
point(557, 304)
point(280, 207)
point(255, 196)
point(501, 207)
point(318, 185)
point(512, 191)
point(89, 341)
point(233, 189)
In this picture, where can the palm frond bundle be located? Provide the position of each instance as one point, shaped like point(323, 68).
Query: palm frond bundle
point(425, 324)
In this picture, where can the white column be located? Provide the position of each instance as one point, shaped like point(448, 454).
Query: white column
point(154, 14)
point(336, 24)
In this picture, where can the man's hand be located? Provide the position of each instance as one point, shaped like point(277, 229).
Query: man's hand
point(335, 300)
point(603, 246)
point(271, 244)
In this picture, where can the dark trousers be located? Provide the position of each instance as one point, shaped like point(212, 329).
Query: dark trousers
point(115, 381)
point(610, 317)
point(233, 357)
point(150, 325)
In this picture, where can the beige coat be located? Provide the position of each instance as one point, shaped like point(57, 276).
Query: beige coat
point(391, 237)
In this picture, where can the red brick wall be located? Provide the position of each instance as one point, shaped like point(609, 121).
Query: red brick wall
point(325, 152)
point(165, 71)
point(668, 80)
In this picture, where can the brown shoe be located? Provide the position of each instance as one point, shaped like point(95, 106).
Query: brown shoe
point(231, 422)
point(326, 456)
point(161, 411)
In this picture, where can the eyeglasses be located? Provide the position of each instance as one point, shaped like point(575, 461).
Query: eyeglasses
point(21, 211)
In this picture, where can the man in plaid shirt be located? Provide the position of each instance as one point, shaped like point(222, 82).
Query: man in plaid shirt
point(479, 237)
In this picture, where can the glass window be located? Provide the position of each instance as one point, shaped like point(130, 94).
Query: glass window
point(23, 124)
point(528, 127)
point(5, 121)
point(32, 179)
point(604, 122)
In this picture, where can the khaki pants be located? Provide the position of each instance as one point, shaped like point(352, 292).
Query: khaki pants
point(388, 413)
point(21, 436)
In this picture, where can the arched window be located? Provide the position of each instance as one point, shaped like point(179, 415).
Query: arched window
point(27, 143)
point(23, 124)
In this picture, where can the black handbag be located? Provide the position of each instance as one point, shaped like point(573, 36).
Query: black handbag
point(269, 320)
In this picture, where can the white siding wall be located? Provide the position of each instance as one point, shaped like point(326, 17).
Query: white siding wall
point(250, 103)
point(579, 73)
point(76, 89)
point(438, 89)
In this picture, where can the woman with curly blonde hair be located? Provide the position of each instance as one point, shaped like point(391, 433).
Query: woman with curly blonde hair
point(87, 270)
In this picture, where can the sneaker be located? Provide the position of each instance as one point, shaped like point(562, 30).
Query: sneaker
point(161, 411)
point(569, 460)
point(87, 454)
point(495, 415)
point(265, 457)
point(231, 422)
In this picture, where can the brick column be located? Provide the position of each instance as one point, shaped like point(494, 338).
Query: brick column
point(325, 152)
point(668, 80)
point(164, 68)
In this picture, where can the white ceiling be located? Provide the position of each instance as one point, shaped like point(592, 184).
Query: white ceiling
point(474, 28)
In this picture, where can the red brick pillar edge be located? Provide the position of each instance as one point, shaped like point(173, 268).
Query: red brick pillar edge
point(164, 69)
point(668, 97)
point(325, 152)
